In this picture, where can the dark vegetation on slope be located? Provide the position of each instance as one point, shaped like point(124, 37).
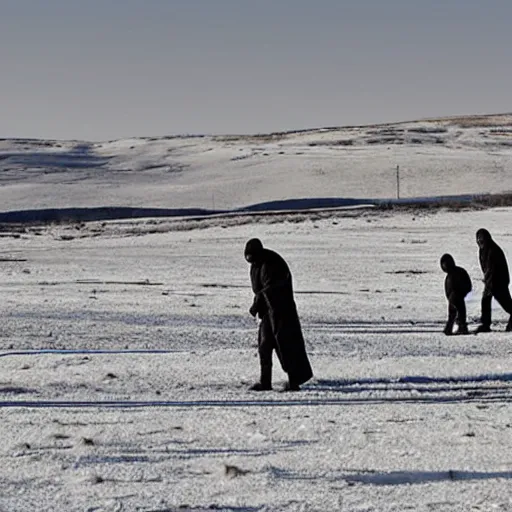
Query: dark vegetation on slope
point(289, 206)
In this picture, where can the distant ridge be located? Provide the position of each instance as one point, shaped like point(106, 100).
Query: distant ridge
point(502, 118)
point(182, 175)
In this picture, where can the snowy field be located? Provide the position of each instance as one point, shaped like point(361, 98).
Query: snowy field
point(126, 351)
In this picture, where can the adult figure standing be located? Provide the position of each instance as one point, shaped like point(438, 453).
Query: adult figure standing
point(279, 328)
point(496, 279)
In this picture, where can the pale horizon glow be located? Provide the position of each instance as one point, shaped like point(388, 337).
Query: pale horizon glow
point(109, 69)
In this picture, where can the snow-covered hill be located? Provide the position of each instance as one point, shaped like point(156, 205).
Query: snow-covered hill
point(450, 156)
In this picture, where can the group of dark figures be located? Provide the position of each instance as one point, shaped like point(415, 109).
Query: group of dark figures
point(280, 328)
point(457, 285)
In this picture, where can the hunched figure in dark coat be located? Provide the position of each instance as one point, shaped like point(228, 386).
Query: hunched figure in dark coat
point(457, 285)
point(279, 328)
point(496, 279)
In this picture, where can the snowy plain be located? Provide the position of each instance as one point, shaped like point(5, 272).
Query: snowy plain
point(126, 351)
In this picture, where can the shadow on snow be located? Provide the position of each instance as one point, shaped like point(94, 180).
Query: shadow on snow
point(493, 395)
point(398, 477)
point(209, 508)
point(412, 379)
point(421, 477)
point(81, 156)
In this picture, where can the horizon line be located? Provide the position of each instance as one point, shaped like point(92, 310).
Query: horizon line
point(270, 133)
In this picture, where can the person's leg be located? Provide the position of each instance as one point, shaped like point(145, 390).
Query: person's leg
point(265, 349)
point(485, 325)
point(460, 306)
point(452, 313)
point(504, 299)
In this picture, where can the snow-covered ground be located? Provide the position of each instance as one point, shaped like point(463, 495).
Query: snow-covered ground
point(126, 351)
point(469, 155)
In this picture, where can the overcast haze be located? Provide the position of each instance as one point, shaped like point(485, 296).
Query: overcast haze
point(104, 69)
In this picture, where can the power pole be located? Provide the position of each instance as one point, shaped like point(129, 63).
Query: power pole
point(398, 182)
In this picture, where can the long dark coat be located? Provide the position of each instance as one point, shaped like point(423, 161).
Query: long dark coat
point(273, 296)
point(493, 263)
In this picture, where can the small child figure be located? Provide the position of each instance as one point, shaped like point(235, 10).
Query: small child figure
point(457, 285)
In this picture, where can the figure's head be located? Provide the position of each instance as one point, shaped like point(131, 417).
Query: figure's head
point(483, 237)
point(447, 262)
point(253, 250)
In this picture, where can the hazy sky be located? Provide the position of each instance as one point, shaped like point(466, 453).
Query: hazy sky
point(103, 69)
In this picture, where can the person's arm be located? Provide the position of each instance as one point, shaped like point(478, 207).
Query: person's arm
point(256, 305)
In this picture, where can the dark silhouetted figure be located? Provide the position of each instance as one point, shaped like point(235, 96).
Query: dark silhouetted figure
point(457, 285)
point(279, 328)
point(496, 279)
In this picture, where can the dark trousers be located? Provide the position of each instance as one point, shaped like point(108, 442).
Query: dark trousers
point(502, 296)
point(456, 311)
point(266, 345)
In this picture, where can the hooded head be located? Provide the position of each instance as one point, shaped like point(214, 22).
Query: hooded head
point(483, 238)
point(253, 250)
point(447, 262)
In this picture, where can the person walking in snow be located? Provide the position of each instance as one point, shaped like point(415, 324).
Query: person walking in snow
point(496, 279)
point(279, 328)
point(457, 285)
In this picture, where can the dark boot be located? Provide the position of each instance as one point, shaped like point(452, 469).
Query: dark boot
point(260, 386)
point(265, 383)
point(291, 386)
point(463, 329)
point(448, 329)
point(483, 328)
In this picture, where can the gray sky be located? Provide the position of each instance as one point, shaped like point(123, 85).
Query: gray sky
point(104, 69)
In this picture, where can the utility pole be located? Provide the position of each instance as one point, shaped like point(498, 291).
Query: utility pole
point(398, 182)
